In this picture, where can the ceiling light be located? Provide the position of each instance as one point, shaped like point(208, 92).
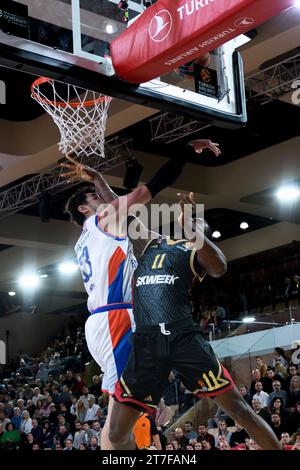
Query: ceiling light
point(288, 193)
point(216, 234)
point(68, 267)
point(43, 276)
point(244, 225)
point(29, 281)
point(297, 3)
point(109, 28)
point(248, 319)
point(12, 293)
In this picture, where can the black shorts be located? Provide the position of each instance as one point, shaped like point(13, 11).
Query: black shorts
point(154, 355)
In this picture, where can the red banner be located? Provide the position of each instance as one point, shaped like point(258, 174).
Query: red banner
point(171, 33)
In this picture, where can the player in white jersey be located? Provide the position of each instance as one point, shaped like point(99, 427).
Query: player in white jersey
point(107, 263)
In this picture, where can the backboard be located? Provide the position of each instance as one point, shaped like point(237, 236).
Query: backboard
point(69, 41)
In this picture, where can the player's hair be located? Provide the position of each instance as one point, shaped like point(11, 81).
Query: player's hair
point(75, 201)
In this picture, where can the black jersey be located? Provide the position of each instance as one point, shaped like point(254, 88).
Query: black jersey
point(162, 281)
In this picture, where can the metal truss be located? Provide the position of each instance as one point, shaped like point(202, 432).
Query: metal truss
point(25, 194)
point(169, 127)
point(275, 81)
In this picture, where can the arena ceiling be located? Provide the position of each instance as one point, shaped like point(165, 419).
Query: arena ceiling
point(255, 161)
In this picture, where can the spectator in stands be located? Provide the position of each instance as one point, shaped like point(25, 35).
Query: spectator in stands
point(295, 439)
point(189, 433)
point(285, 439)
point(95, 389)
point(38, 409)
point(17, 418)
point(256, 376)
point(79, 386)
point(86, 396)
point(26, 423)
point(53, 416)
point(88, 433)
point(79, 436)
point(145, 432)
point(238, 436)
point(197, 446)
point(28, 392)
point(61, 435)
point(276, 425)
point(180, 438)
point(278, 393)
point(277, 406)
point(73, 406)
point(68, 444)
point(96, 428)
point(28, 442)
point(260, 395)
point(45, 411)
point(94, 443)
point(42, 373)
point(222, 443)
point(48, 434)
point(10, 436)
point(203, 435)
point(279, 356)
point(56, 398)
point(62, 422)
point(37, 431)
point(261, 366)
point(91, 412)
point(37, 395)
point(80, 411)
point(244, 392)
point(163, 414)
point(263, 412)
point(30, 407)
point(271, 376)
point(70, 381)
point(292, 370)
point(294, 393)
point(52, 383)
point(206, 445)
point(9, 410)
point(66, 396)
point(222, 431)
point(170, 446)
point(83, 446)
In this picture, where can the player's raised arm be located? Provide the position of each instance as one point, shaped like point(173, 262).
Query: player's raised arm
point(210, 258)
point(162, 179)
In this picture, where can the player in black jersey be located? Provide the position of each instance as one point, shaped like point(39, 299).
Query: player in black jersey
point(166, 338)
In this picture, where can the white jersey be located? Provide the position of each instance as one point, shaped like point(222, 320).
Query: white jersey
point(107, 265)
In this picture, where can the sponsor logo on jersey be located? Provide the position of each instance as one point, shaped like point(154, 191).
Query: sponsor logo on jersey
point(157, 279)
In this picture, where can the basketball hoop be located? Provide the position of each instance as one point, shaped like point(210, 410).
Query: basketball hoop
point(79, 114)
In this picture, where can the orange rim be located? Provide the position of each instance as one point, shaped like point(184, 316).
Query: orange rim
point(61, 104)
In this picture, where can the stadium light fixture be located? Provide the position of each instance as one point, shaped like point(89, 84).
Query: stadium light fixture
point(29, 281)
point(67, 267)
point(216, 234)
point(244, 225)
point(248, 319)
point(288, 193)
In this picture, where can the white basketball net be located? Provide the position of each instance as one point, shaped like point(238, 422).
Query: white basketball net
point(79, 114)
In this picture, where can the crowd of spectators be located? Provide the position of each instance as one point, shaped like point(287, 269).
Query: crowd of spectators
point(45, 403)
point(274, 394)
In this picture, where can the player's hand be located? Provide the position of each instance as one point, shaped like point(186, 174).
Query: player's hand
point(77, 171)
point(184, 199)
point(201, 144)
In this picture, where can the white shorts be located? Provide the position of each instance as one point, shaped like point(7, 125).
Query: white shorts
point(108, 335)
